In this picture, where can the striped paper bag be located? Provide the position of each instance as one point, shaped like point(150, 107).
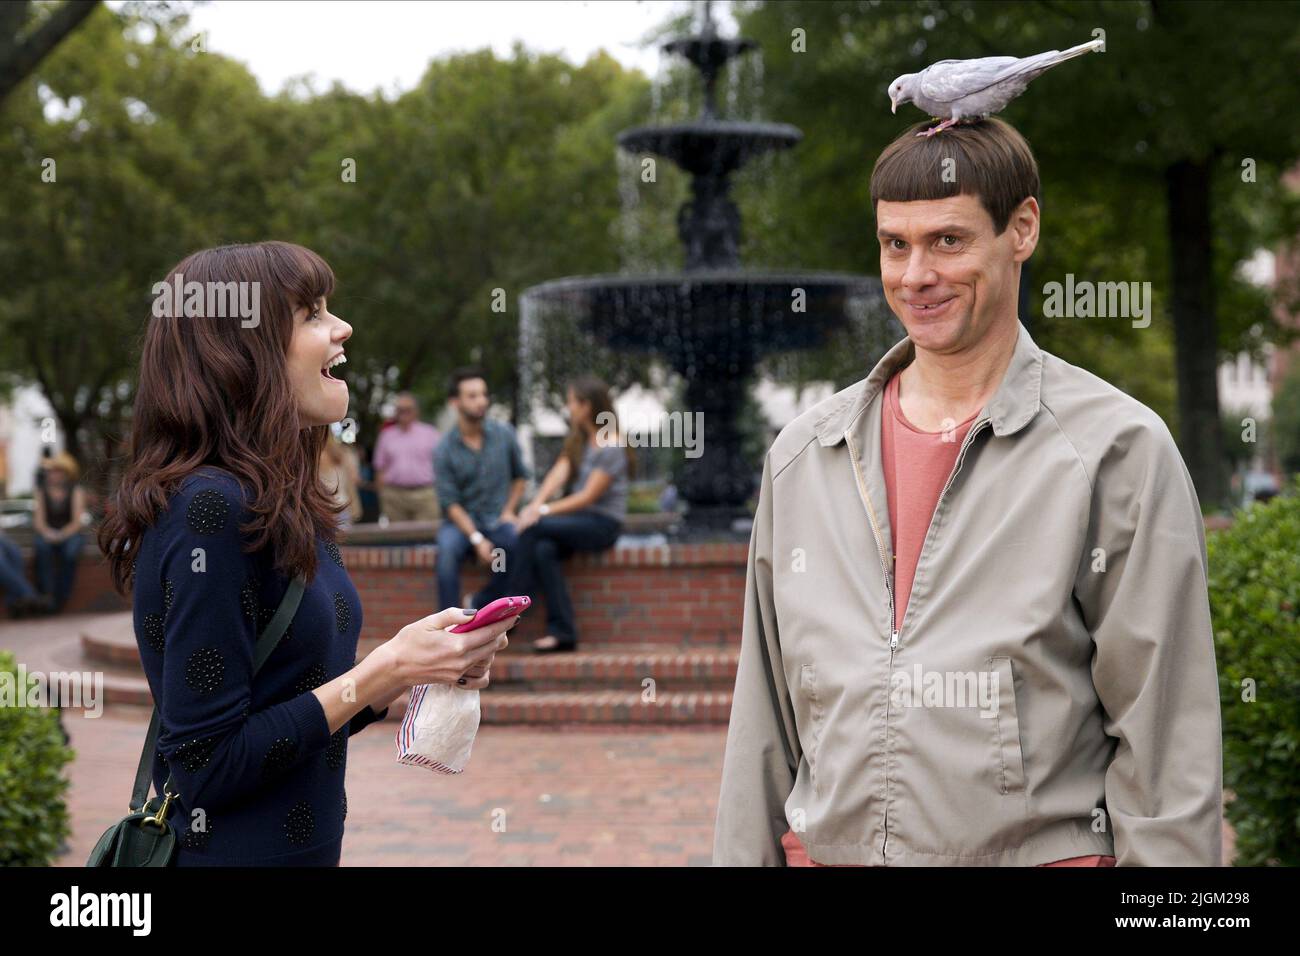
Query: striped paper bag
point(439, 727)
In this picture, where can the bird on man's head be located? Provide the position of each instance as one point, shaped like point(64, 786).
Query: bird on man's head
point(974, 89)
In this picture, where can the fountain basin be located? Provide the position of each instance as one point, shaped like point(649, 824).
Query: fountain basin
point(710, 147)
point(741, 314)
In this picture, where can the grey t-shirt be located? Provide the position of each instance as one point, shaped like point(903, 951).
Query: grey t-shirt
point(611, 459)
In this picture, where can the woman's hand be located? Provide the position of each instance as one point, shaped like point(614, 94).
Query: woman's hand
point(528, 517)
point(425, 652)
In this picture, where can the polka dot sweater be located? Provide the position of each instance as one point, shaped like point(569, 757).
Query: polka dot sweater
point(259, 775)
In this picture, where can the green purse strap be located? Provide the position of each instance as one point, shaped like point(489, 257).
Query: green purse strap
point(265, 645)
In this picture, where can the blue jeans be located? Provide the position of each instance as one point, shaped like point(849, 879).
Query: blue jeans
point(452, 548)
point(56, 566)
point(543, 546)
point(13, 579)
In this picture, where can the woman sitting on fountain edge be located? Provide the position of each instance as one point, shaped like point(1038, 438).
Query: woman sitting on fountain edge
point(589, 518)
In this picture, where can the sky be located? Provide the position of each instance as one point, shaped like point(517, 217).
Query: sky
point(386, 44)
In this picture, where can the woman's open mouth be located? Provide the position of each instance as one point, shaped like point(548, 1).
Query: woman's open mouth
point(337, 360)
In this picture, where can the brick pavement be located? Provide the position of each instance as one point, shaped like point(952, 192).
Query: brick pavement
point(567, 796)
point(530, 796)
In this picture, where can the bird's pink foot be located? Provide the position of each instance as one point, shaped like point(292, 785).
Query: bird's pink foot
point(937, 129)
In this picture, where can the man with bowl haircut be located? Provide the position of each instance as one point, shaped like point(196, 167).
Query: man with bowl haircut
point(974, 506)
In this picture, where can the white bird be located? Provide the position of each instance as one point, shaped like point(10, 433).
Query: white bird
point(966, 89)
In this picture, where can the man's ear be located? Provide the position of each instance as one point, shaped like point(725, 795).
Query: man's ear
point(1024, 229)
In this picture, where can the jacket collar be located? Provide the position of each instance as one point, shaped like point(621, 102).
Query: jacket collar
point(1012, 407)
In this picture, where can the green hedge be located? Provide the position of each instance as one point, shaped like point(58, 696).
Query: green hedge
point(1254, 596)
point(33, 815)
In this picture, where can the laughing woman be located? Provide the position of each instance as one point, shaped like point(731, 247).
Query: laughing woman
point(219, 508)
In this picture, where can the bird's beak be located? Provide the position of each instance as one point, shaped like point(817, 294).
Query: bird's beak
point(893, 105)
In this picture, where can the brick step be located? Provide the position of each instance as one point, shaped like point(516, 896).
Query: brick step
point(617, 669)
point(112, 641)
point(599, 684)
point(124, 681)
point(598, 707)
point(613, 665)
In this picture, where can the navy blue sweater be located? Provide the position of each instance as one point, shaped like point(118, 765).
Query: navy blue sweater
point(259, 776)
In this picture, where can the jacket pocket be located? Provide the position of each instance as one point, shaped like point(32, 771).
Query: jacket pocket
point(1006, 729)
point(808, 685)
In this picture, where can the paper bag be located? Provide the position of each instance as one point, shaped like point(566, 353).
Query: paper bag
point(439, 728)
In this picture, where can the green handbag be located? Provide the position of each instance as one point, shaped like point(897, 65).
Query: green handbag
point(144, 837)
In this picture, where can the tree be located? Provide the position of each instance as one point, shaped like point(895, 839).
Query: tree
point(131, 147)
point(124, 151)
point(491, 175)
point(21, 54)
point(1155, 167)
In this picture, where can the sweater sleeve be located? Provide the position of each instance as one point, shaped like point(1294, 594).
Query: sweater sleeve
point(364, 718)
point(216, 750)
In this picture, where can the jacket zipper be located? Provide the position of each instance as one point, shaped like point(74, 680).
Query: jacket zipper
point(889, 589)
point(884, 566)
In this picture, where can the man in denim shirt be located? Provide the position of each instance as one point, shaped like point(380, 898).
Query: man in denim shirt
point(480, 475)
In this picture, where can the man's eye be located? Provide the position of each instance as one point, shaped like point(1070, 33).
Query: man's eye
point(955, 241)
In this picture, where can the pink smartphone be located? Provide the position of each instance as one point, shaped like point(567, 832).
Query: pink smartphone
point(498, 610)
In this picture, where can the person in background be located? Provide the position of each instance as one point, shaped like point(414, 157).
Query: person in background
point(593, 470)
point(60, 503)
point(21, 599)
point(481, 480)
point(39, 480)
point(404, 465)
point(340, 475)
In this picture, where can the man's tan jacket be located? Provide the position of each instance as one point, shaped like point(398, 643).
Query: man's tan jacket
point(1052, 692)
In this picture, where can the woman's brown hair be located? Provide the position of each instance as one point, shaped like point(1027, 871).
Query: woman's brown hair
point(215, 391)
point(588, 388)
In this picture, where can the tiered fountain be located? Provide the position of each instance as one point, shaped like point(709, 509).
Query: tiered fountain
point(712, 321)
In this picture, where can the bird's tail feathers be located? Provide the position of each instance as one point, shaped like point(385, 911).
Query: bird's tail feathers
point(1032, 66)
point(1081, 49)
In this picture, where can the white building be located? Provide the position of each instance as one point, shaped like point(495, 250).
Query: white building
point(25, 421)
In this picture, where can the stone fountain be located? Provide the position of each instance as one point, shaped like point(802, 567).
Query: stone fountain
point(714, 320)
